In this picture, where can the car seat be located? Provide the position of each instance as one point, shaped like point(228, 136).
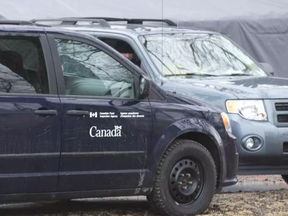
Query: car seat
point(87, 87)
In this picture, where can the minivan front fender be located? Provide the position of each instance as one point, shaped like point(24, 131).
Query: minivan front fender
point(176, 130)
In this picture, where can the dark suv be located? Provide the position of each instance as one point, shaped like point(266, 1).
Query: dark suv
point(209, 67)
point(79, 120)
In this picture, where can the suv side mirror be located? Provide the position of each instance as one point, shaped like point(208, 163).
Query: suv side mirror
point(144, 87)
point(267, 68)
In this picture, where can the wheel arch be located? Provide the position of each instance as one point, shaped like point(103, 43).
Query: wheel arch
point(198, 130)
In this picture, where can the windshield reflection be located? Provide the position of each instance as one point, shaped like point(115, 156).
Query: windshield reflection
point(181, 54)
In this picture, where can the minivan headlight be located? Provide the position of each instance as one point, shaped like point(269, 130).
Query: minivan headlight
point(248, 109)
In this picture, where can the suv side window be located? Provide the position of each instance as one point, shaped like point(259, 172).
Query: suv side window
point(88, 71)
point(22, 66)
point(124, 48)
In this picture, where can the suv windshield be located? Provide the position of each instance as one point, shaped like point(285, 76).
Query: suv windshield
point(198, 54)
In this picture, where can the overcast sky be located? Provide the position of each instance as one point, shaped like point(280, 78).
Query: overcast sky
point(178, 9)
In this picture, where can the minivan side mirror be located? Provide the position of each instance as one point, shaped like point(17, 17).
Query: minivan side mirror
point(144, 87)
point(267, 68)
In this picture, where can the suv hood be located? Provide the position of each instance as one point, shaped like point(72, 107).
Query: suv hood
point(241, 87)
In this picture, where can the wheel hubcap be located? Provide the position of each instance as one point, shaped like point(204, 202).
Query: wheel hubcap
point(185, 181)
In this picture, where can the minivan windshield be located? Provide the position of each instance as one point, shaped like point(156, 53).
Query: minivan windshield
point(178, 54)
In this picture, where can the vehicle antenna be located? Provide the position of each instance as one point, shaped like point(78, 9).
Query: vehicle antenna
point(162, 81)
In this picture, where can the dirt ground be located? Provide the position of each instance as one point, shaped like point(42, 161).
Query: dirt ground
point(256, 203)
point(250, 203)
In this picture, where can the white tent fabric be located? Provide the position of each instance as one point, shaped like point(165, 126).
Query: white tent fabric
point(259, 26)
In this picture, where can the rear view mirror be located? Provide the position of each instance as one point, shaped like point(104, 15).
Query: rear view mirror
point(144, 87)
point(267, 68)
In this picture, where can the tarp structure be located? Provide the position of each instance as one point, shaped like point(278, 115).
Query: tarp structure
point(258, 26)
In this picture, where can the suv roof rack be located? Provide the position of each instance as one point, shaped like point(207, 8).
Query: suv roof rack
point(73, 21)
point(15, 22)
point(132, 21)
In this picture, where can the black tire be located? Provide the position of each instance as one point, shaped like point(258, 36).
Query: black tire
point(285, 178)
point(193, 158)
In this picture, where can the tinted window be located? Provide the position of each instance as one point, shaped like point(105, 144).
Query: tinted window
point(22, 66)
point(89, 71)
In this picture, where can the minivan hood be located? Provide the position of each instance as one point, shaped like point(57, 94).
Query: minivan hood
point(241, 87)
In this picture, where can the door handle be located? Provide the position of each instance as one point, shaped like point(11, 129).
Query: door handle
point(45, 112)
point(77, 112)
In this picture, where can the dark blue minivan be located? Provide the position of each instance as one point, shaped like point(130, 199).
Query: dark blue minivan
point(79, 120)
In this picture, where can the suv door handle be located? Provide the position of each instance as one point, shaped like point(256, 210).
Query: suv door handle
point(77, 112)
point(45, 112)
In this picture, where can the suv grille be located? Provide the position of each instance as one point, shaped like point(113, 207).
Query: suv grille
point(282, 118)
point(279, 112)
point(285, 147)
point(281, 106)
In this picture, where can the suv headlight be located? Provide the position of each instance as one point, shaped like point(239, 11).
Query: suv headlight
point(226, 122)
point(248, 109)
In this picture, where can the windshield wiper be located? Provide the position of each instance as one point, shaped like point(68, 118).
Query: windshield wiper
point(236, 74)
point(190, 74)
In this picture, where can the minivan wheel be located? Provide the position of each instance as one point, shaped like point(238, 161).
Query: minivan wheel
point(285, 178)
point(185, 180)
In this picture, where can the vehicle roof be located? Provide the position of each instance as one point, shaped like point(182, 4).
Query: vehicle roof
point(69, 24)
point(126, 29)
point(134, 29)
point(33, 28)
point(130, 29)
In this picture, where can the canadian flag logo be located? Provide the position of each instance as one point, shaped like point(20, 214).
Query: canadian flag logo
point(93, 114)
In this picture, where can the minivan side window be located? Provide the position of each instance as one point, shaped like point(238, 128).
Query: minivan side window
point(22, 66)
point(88, 71)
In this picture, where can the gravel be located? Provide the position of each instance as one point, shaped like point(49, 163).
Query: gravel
point(250, 203)
point(254, 203)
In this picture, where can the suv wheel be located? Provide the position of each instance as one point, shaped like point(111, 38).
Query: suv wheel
point(285, 178)
point(185, 180)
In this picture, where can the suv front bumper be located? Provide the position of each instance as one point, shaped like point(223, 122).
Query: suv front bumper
point(271, 157)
